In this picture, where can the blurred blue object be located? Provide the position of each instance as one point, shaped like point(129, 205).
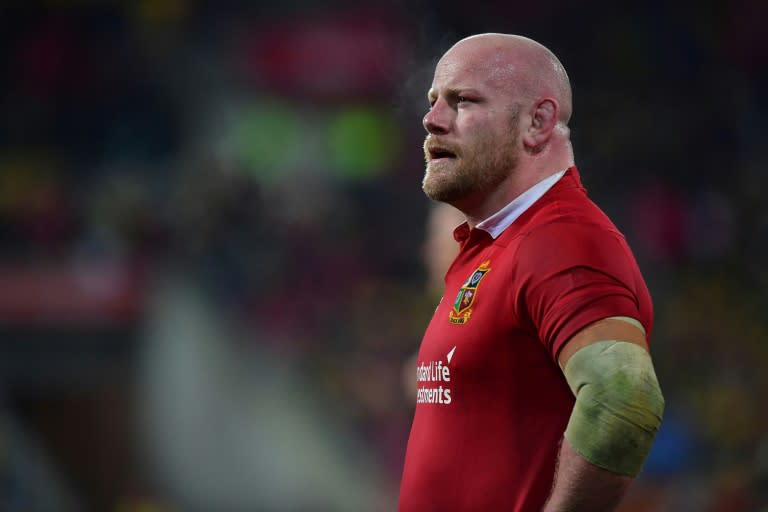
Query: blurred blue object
point(674, 451)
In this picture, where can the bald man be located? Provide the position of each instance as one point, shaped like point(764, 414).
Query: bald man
point(535, 387)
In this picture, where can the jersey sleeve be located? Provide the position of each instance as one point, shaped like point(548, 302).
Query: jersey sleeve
point(572, 275)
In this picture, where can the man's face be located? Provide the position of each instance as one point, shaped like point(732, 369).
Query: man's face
point(472, 141)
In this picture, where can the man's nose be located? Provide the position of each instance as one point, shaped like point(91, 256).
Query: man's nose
point(437, 120)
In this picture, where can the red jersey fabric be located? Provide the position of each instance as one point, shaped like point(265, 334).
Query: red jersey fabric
point(492, 402)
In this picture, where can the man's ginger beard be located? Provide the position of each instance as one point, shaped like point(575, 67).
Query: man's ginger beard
point(483, 165)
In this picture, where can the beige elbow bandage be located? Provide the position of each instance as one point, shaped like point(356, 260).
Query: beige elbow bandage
point(618, 405)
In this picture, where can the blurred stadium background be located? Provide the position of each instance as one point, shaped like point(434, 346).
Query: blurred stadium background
point(213, 266)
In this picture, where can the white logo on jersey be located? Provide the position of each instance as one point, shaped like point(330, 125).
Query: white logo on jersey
point(437, 372)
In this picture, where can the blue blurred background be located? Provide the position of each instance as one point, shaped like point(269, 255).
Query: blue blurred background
point(216, 260)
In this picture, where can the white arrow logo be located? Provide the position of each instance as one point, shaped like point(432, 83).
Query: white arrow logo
point(450, 354)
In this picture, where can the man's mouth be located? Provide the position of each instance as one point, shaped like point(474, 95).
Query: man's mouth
point(440, 153)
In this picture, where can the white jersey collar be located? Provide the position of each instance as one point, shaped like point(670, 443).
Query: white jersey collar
point(502, 219)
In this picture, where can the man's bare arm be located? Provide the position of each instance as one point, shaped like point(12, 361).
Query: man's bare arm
point(602, 451)
point(580, 485)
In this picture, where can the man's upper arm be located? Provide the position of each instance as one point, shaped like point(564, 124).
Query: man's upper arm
point(574, 276)
point(619, 403)
point(583, 294)
point(612, 328)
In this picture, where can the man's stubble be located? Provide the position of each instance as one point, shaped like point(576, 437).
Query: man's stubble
point(480, 167)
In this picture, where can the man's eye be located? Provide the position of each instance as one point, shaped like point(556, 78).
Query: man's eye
point(461, 99)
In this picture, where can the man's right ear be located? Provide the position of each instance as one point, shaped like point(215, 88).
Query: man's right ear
point(543, 121)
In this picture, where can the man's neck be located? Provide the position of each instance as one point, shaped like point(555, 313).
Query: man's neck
point(479, 207)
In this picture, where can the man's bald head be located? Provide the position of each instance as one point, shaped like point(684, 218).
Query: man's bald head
point(530, 69)
point(497, 122)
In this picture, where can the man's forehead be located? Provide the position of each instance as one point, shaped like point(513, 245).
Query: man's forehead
point(475, 66)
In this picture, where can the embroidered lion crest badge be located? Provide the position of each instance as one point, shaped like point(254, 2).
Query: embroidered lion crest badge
point(462, 306)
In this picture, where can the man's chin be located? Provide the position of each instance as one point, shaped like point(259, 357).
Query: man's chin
point(443, 194)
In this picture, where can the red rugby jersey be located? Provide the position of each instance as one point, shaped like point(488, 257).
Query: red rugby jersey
point(492, 403)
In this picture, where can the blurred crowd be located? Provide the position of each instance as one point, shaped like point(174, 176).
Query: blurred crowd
point(217, 260)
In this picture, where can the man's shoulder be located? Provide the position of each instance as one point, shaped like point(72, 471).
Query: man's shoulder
point(572, 237)
point(573, 203)
point(567, 214)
